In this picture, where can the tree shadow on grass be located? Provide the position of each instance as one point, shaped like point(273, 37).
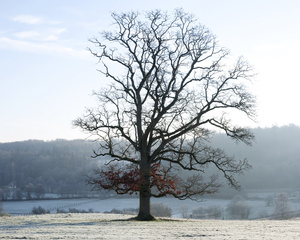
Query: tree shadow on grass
point(135, 219)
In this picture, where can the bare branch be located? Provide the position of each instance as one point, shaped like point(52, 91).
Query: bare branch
point(171, 87)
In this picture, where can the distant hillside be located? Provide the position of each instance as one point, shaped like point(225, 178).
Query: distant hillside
point(34, 167)
point(274, 156)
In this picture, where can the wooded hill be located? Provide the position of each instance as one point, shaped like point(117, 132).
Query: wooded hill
point(274, 156)
point(35, 167)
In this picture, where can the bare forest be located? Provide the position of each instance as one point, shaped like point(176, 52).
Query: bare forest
point(34, 169)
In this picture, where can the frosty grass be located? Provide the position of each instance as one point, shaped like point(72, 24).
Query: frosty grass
point(111, 226)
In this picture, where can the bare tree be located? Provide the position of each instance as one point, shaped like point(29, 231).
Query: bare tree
point(184, 211)
point(170, 87)
point(282, 207)
point(238, 208)
point(0, 201)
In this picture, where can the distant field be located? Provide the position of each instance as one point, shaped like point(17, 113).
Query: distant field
point(111, 226)
point(258, 208)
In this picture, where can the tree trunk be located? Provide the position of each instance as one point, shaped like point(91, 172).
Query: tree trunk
point(144, 211)
point(145, 194)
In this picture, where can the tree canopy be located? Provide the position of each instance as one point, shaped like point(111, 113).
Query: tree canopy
point(171, 85)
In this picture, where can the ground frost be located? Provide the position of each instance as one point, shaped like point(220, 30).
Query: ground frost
point(110, 226)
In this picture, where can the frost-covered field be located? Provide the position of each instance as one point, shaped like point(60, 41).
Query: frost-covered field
point(102, 205)
point(109, 226)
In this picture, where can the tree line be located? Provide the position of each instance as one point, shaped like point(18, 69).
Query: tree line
point(32, 168)
point(274, 156)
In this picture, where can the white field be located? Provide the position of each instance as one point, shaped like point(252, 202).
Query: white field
point(110, 226)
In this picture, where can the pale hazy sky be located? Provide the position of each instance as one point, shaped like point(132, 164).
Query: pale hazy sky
point(47, 76)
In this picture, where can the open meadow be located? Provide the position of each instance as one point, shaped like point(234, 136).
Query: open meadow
point(112, 226)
